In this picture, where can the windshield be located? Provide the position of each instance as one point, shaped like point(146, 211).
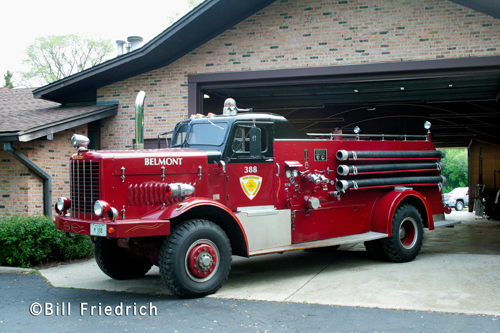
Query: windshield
point(179, 135)
point(207, 134)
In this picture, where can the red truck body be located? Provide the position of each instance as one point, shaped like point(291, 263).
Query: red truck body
point(250, 184)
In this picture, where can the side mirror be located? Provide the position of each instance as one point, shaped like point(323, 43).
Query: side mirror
point(255, 141)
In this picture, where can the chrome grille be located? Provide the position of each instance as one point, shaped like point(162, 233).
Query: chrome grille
point(84, 185)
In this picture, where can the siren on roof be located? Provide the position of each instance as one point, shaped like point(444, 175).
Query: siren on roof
point(230, 108)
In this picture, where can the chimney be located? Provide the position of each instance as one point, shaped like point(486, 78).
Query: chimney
point(120, 44)
point(135, 42)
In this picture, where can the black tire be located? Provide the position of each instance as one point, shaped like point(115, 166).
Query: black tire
point(117, 262)
point(375, 250)
point(195, 259)
point(459, 206)
point(407, 235)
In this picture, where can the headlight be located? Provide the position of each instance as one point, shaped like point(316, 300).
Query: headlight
point(62, 205)
point(98, 208)
point(101, 208)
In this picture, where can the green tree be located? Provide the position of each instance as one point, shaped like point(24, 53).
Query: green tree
point(8, 80)
point(176, 16)
point(55, 57)
point(455, 169)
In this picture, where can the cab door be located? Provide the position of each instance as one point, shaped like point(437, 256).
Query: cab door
point(249, 174)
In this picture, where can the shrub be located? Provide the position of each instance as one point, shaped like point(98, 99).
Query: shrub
point(31, 240)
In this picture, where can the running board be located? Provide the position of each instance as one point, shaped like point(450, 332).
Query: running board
point(322, 243)
point(445, 223)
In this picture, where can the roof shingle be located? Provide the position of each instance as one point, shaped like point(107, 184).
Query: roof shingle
point(20, 112)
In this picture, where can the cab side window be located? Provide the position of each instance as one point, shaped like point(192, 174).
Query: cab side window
point(240, 143)
point(241, 140)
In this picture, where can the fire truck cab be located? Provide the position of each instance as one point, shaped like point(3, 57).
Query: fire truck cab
point(247, 184)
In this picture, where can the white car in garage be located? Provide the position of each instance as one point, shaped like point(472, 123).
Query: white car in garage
point(457, 198)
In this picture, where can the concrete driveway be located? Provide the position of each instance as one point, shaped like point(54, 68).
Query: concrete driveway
point(457, 271)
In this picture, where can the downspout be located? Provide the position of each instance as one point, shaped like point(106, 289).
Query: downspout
point(47, 180)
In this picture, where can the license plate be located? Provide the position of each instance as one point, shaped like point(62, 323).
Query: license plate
point(98, 230)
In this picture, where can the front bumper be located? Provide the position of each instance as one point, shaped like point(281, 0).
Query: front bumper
point(121, 228)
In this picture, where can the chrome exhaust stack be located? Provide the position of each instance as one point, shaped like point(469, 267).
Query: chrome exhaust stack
point(139, 120)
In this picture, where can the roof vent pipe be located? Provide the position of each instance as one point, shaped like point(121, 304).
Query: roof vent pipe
point(139, 120)
point(119, 44)
point(135, 42)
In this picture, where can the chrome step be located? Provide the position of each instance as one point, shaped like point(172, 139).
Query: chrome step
point(322, 243)
point(445, 223)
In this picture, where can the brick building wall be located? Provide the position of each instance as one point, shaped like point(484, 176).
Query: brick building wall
point(305, 33)
point(22, 191)
point(286, 34)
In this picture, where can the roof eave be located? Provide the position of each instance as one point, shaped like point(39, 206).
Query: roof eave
point(55, 127)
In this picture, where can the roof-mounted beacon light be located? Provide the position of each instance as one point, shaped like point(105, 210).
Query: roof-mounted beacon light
point(79, 142)
point(230, 107)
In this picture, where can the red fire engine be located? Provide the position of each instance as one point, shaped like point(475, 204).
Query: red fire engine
point(247, 184)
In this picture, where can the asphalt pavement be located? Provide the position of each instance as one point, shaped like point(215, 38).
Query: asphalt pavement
point(454, 279)
point(29, 303)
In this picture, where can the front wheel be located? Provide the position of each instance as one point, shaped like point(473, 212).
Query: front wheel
point(195, 259)
point(407, 235)
point(117, 262)
point(459, 206)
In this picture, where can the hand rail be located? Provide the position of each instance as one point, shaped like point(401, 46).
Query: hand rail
point(382, 136)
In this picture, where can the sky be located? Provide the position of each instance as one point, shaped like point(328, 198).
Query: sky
point(24, 21)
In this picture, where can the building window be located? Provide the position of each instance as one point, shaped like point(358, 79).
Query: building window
point(94, 129)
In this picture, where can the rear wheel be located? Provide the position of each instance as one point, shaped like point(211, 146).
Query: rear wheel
point(407, 235)
point(195, 259)
point(117, 262)
point(375, 250)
